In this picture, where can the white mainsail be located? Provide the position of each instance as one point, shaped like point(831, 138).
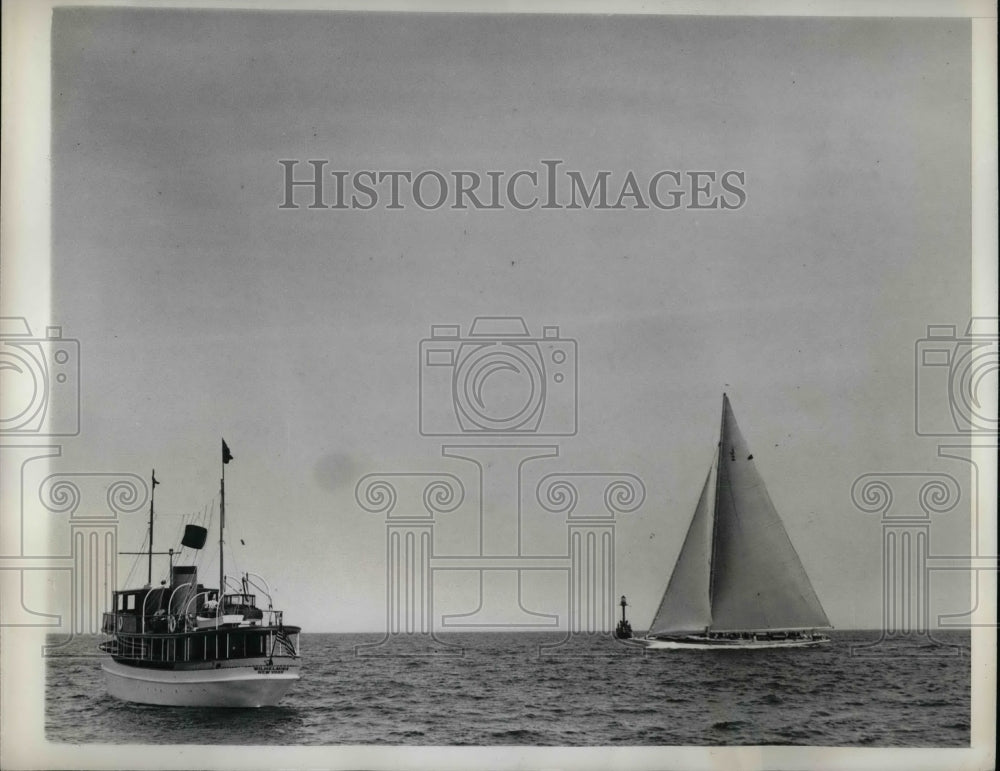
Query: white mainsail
point(737, 570)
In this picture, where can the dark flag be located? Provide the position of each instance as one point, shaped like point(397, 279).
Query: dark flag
point(226, 455)
point(194, 536)
point(155, 483)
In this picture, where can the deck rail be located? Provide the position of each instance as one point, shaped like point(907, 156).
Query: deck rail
point(197, 645)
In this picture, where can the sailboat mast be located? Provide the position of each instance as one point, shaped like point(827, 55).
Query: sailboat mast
point(715, 501)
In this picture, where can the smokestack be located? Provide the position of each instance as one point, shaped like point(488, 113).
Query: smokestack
point(181, 575)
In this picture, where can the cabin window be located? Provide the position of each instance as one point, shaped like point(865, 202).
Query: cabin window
point(131, 602)
point(121, 602)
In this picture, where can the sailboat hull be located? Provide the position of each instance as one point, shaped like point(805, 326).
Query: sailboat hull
point(708, 643)
point(232, 686)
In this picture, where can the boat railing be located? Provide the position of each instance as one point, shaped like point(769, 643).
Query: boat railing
point(181, 619)
point(142, 620)
point(265, 588)
point(205, 645)
point(170, 602)
point(271, 617)
point(178, 619)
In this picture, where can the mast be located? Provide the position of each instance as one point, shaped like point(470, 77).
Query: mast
point(152, 498)
point(222, 527)
point(715, 503)
point(149, 552)
point(226, 457)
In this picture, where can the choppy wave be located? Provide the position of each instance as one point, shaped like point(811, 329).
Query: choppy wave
point(503, 691)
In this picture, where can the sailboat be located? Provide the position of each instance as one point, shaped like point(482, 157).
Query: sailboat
point(738, 582)
point(184, 644)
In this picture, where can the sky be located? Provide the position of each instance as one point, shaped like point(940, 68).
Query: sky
point(204, 310)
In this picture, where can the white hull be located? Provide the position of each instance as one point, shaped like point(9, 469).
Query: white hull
point(229, 686)
point(710, 645)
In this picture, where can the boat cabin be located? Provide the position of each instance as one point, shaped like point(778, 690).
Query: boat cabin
point(185, 622)
point(184, 604)
point(151, 609)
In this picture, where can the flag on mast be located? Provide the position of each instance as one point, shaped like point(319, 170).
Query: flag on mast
point(226, 455)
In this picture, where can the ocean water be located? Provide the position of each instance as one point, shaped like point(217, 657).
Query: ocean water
point(498, 689)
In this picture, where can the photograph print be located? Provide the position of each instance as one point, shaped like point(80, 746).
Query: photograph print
point(468, 386)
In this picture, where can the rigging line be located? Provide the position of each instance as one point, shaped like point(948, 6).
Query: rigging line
point(179, 530)
point(136, 558)
point(128, 578)
point(196, 559)
point(238, 536)
point(210, 506)
point(236, 562)
point(207, 507)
